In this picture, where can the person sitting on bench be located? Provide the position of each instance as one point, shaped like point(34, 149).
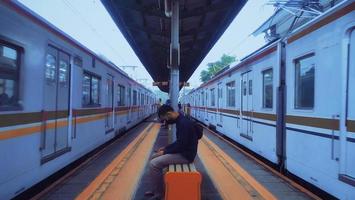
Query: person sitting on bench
point(182, 151)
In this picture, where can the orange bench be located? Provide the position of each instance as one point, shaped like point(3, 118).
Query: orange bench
point(182, 181)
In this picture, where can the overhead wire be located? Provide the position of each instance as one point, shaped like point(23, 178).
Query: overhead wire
point(244, 40)
point(92, 28)
point(234, 48)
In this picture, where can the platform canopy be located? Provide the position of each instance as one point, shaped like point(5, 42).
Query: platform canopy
point(147, 29)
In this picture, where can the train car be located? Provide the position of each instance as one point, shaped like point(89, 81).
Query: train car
point(291, 102)
point(320, 77)
point(230, 104)
point(58, 100)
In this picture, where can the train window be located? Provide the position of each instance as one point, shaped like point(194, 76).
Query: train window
point(86, 90)
point(63, 72)
point(213, 97)
point(95, 90)
point(90, 90)
point(230, 94)
point(134, 97)
point(244, 88)
point(121, 90)
point(9, 53)
point(304, 82)
point(220, 91)
point(203, 98)
point(50, 68)
point(142, 99)
point(9, 76)
point(250, 87)
point(206, 98)
point(267, 88)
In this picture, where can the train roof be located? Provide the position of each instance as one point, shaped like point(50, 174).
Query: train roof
point(282, 15)
point(28, 13)
point(343, 8)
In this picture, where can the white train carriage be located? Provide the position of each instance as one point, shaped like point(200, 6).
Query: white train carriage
point(292, 102)
point(58, 100)
point(236, 108)
point(319, 78)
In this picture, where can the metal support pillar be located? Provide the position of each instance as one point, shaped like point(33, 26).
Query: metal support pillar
point(174, 95)
point(174, 58)
point(281, 108)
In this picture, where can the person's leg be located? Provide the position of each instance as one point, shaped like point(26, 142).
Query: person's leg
point(156, 166)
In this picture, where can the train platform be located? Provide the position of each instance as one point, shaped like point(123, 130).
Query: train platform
point(120, 171)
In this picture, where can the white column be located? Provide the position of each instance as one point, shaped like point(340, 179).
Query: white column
point(174, 59)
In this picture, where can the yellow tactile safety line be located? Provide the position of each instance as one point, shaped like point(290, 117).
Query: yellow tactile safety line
point(128, 165)
point(231, 180)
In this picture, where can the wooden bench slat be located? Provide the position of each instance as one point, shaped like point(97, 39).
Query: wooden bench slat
point(182, 168)
point(171, 168)
point(178, 168)
point(186, 168)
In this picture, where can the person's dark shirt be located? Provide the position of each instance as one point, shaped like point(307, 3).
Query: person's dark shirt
point(186, 139)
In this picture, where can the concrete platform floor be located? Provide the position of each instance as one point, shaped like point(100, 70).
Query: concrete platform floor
point(208, 191)
point(227, 172)
point(73, 185)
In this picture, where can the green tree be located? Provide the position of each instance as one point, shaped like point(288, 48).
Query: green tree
point(205, 76)
point(215, 67)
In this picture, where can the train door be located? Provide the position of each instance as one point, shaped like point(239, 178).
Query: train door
point(129, 104)
point(196, 105)
point(202, 109)
point(56, 102)
point(350, 156)
point(246, 105)
point(206, 106)
point(139, 103)
point(145, 104)
point(142, 105)
point(219, 103)
point(201, 104)
point(109, 103)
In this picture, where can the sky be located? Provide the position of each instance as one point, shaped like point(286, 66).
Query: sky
point(88, 22)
